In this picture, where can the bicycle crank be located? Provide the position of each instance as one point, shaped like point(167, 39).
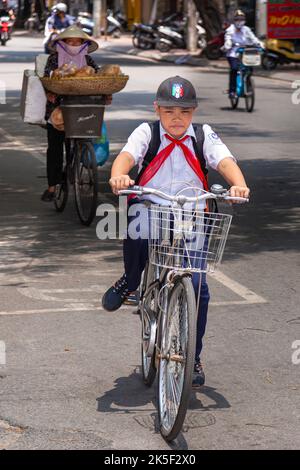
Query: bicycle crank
point(173, 357)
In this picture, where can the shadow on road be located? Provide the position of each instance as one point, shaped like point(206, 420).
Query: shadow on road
point(35, 232)
point(217, 399)
point(131, 396)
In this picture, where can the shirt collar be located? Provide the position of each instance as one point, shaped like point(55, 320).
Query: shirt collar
point(190, 131)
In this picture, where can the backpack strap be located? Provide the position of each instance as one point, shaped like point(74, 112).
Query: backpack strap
point(198, 144)
point(152, 151)
point(198, 148)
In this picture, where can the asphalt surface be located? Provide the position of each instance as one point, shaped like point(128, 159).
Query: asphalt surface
point(72, 374)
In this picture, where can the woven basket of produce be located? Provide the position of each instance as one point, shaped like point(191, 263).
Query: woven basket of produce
point(106, 81)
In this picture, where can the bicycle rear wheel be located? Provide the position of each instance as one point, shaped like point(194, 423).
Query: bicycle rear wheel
point(249, 95)
point(86, 182)
point(177, 356)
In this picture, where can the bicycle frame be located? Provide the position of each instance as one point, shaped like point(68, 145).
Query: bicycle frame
point(241, 81)
point(244, 73)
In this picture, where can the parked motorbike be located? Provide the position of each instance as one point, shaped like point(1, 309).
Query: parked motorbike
point(114, 26)
point(148, 37)
point(144, 36)
point(121, 18)
point(175, 35)
point(85, 22)
point(213, 49)
point(167, 34)
point(5, 29)
point(33, 23)
point(279, 51)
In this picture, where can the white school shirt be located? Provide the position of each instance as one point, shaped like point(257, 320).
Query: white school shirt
point(175, 173)
point(243, 37)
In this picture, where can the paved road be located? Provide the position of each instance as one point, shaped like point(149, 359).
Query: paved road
point(72, 374)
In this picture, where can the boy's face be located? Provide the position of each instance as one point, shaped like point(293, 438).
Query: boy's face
point(175, 120)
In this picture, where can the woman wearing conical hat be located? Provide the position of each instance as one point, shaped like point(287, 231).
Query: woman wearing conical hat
point(72, 46)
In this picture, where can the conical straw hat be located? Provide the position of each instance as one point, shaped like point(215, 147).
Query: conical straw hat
point(74, 32)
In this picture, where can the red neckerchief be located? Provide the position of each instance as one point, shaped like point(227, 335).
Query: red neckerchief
point(162, 156)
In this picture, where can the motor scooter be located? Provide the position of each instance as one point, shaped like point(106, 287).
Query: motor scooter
point(280, 51)
point(4, 29)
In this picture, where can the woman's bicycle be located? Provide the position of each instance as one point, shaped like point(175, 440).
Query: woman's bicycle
point(83, 117)
point(250, 56)
point(183, 242)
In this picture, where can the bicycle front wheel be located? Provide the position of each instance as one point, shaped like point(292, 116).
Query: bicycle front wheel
point(177, 356)
point(86, 182)
point(250, 95)
point(62, 193)
point(234, 100)
point(149, 316)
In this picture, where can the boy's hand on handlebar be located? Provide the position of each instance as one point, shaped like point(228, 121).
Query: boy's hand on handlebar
point(120, 182)
point(239, 191)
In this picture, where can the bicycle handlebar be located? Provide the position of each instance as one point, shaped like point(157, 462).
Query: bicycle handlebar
point(181, 199)
point(248, 46)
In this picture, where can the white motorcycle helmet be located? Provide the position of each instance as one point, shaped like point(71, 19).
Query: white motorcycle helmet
point(60, 7)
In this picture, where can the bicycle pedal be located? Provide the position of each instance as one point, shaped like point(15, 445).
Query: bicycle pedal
point(132, 299)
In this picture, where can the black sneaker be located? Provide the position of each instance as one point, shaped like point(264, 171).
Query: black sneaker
point(47, 196)
point(116, 295)
point(198, 375)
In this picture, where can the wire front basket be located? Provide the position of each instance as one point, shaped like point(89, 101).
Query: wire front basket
point(186, 240)
point(251, 58)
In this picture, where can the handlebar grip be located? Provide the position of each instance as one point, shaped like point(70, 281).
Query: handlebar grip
point(131, 190)
point(237, 198)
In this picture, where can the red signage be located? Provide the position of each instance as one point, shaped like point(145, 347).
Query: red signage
point(284, 19)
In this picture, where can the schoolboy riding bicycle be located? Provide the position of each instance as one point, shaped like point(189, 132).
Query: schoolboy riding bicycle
point(171, 153)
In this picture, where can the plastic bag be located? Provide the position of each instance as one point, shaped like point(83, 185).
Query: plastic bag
point(101, 147)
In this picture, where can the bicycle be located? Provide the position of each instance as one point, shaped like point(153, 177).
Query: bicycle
point(250, 56)
point(182, 242)
point(83, 117)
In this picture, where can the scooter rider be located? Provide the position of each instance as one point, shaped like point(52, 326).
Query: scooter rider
point(238, 34)
point(58, 21)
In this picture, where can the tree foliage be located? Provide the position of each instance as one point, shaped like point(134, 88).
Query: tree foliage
point(212, 13)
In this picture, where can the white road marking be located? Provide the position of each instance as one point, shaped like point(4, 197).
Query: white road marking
point(41, 294)
point(20, 145)
point(70, 309)
point(39, 151)
point(249, 296)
